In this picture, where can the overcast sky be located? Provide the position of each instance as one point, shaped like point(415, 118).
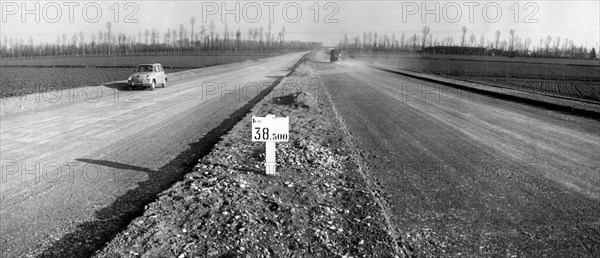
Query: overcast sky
point(576, 20)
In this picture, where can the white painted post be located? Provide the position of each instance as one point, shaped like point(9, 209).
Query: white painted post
point(270, 161)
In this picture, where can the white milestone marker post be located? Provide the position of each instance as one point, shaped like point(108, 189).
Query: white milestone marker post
point(270, 129)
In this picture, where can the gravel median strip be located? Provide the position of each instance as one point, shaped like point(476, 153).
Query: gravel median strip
point(318, 204)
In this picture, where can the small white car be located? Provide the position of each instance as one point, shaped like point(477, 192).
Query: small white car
point(147, 75)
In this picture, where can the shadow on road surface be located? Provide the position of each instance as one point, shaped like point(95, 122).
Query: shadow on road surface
point(115, 165)
point(121, 86)
point(93, 235)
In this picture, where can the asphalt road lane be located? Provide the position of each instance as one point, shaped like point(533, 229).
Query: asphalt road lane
point(73, 174)
point(470, 175)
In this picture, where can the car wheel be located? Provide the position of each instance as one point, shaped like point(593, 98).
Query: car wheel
point(153, 85)
point(165, 84)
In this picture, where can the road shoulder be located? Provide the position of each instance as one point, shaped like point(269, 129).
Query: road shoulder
point(552, 101)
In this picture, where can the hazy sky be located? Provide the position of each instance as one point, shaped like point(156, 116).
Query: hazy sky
point(576, 20)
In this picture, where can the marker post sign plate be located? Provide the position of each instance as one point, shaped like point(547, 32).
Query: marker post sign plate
point(270, 129)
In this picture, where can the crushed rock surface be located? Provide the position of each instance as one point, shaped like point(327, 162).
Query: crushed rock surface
point(317, 205)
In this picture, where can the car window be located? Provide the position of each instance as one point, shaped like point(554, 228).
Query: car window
point(144, 68)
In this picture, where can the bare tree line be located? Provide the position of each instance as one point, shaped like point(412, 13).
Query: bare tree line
point(511, 44)
point(181, 40)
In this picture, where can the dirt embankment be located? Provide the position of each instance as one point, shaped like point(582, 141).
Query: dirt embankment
point(318, 205)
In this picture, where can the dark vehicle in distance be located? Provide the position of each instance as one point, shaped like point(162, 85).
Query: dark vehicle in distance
point(335, 55)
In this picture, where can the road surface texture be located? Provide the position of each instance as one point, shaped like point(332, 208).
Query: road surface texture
point(469, 175)
point(74, 174)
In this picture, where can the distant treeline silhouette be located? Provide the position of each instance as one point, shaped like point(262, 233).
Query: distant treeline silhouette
point(424, 42)
point(182, 40)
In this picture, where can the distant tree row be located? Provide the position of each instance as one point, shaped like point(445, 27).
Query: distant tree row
point(549, 47)
point(182, 40)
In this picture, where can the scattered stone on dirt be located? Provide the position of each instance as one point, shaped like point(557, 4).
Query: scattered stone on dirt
point(317, 205)
point(304, 70)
